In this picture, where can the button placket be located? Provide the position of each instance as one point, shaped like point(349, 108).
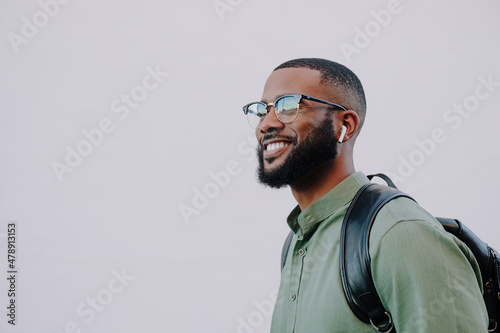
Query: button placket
point(298, 267)
point(300, 254)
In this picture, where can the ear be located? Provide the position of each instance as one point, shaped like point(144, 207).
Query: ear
point(350, 120)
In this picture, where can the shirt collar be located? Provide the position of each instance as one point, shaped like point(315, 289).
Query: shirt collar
point(303, 222)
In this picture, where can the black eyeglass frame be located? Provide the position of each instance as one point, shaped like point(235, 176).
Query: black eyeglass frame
point(298, 96)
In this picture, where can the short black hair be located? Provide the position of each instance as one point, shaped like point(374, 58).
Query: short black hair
point(339, 77)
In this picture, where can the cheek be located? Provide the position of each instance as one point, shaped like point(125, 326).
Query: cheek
point(312, 124)
point(258, 135)
point(303, 131)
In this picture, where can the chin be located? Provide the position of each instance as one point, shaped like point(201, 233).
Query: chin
point(271, 165)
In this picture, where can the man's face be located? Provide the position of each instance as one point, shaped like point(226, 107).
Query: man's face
point(287, 152)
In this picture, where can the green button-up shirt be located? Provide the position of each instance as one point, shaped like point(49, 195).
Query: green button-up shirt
point(426, 278)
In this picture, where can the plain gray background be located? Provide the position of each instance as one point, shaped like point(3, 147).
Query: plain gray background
point(66, 68)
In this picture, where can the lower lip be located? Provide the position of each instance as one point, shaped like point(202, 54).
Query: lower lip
point(275, 152)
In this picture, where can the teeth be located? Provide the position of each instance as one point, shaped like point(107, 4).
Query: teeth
point(276, 145)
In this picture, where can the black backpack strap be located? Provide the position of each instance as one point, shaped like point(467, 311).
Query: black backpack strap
point(384, 177)
point(355, 272)
point(284, 250)
point(288, 240)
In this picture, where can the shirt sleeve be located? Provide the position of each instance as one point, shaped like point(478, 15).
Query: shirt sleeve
point(428, 280)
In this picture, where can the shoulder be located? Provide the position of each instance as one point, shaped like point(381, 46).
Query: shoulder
point(417, 264)
point(394, 218)
point(403, 231)
point(404, 226)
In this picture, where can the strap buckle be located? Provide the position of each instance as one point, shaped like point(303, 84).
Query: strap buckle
point(385, 329)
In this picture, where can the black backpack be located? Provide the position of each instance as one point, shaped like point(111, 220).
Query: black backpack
point(356, 276)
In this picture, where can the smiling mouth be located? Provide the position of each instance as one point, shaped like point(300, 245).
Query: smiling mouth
point(274, 149)
point(271, 147)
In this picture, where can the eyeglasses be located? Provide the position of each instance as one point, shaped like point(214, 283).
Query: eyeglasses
point(286, 108)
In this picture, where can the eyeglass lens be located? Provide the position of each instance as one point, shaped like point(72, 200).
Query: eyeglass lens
point(286, 107)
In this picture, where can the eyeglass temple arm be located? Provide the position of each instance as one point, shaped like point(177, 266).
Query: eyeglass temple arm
point(322, 101)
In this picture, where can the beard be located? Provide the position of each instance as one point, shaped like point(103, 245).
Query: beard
point(316, 150)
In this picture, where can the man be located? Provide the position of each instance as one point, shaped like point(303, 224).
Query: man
point(306, 124)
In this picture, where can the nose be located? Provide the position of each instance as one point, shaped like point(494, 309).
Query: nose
point(270, 121)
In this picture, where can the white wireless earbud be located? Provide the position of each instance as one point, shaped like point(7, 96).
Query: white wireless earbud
point(342, 133)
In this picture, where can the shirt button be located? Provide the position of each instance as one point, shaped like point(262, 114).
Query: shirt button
point(293, 297)
point(301, 252)
point(308, 218)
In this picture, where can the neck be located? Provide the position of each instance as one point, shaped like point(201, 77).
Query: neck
point(320, 181)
